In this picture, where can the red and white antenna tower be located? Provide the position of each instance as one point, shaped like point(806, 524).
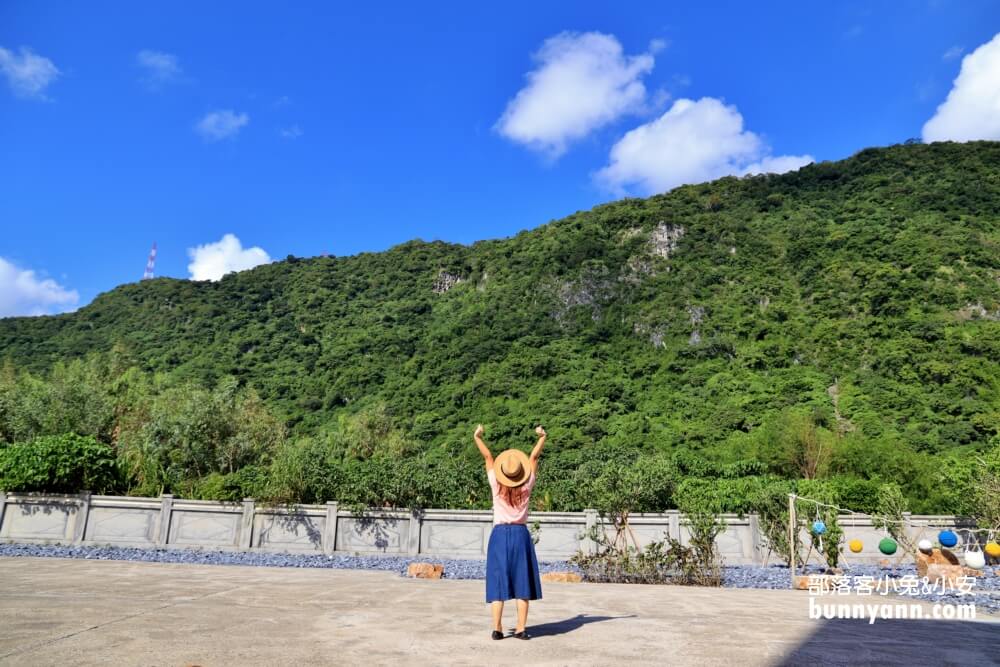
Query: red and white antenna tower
point(150, 263)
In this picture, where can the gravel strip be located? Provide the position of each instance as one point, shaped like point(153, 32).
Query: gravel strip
point(453, 568)
point(986, 592)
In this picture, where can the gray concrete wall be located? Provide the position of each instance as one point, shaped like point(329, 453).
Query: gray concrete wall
point(169, 522)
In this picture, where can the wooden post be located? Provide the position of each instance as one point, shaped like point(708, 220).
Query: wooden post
point(791, 536)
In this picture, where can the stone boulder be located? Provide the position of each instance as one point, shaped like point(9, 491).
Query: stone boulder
point(562, 577)
point(425, 570)
point(805, 582)
point(946, 575)
point(935, 557)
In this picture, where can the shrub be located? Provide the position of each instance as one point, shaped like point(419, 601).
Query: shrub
point(698, 561)
point(612, 563)
point(986, 488)
point(247, 482)
point(665, 561)
point(771, 506)
point(659, 562)
point(889, 516)
point(190, 433)
point(305, 471)
point(619, 487)
point(827, 545)
point(67, 463)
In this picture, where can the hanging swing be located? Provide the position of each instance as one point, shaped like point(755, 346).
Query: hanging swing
point(974, 556)
point(855, 545)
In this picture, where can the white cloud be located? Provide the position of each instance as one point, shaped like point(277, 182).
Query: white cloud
point(292, 132)
point(22, 292)
point(693, 142)
point(777, 165)
point(28, 74)
point(952, 53)
point(657, 45)
point(214, 260)
point(972, 108)
point(159, 68)
point(223, 124)
point(582, 82)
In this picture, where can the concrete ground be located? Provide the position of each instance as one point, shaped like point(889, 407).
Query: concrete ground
point(59, 612)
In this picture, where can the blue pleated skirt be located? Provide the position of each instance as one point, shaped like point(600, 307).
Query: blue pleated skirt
point(511, 565)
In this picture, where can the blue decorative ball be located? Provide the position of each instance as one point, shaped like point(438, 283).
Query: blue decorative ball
point(819, 527)
point(947, 538)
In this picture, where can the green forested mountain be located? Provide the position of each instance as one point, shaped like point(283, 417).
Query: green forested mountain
point(842, 321)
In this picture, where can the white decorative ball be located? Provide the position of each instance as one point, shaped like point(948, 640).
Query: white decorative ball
point(925, 546)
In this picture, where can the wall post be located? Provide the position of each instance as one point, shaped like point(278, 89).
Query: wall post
point(793, 528)
point(3, 504)
point(755, 543)
point(166, 508)
point(674, 525)
point(413, 539)
point(587, 545)
point(330, 530)
point(80, 527)
point(246, 525)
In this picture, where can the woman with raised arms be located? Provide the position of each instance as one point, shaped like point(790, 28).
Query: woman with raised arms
point(511, 564)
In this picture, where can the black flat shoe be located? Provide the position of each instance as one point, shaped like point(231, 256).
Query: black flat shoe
point(523, 634)
point(497, 635)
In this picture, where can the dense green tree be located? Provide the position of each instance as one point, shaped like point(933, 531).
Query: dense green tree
point(60, 464)
point(839, 323)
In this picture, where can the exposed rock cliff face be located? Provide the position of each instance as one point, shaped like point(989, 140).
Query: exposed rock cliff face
point(977, 311)
point(697, 316)
point(445, 281)
point(663, 242)
point(664, 238)
point(592, 289)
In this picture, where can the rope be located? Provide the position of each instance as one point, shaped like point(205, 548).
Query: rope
point(968, 537)
point(884, 519)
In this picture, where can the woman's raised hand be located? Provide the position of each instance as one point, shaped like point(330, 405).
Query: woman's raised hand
point(479, 431)
point(537, 451)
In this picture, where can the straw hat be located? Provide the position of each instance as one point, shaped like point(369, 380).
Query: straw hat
point(512, 467)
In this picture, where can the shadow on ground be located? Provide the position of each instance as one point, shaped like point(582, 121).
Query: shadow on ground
point(898, 642)
point(569, 625)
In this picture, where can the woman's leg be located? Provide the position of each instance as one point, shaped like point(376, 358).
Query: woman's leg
point(497, 609)
point(522, 615)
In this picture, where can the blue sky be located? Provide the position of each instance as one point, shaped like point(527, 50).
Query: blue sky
point(303, 128)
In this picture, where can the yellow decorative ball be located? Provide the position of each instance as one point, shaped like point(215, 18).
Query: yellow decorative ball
point(855, 546)
point(993, 549)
